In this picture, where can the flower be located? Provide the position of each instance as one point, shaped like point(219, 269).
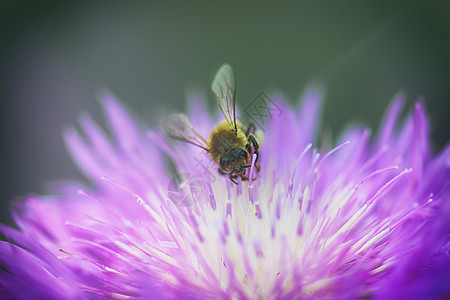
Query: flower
point(368, 218)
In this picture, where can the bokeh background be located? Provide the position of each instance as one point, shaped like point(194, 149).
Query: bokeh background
point(56, 56)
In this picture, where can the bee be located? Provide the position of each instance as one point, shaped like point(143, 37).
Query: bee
point(230, 143)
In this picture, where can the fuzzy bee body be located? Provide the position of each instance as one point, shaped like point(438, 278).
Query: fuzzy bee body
point(228, 149)
point(230, 144)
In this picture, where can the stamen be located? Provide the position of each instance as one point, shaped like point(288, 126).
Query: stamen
point(251, 191)
point(373, 174)
point(212, 199)
point(291, 181)
point(251, 169)
point(406, 217)
point(332, 151)
point(385, 188)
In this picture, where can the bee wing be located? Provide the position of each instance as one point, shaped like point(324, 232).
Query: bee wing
point(178, 127)
point(224, 86)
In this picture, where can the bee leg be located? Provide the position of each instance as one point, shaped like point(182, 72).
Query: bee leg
point(231, 175)
point(244, 177)
point(252, 139)
point(258, 167)
point(250, 129)
point(233, 178)
point(248, 147)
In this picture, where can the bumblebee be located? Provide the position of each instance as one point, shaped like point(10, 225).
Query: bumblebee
point(230, 144)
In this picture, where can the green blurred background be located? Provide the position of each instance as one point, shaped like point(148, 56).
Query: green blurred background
point(56, 56)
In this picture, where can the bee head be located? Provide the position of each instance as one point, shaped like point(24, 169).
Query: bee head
point(234, 161)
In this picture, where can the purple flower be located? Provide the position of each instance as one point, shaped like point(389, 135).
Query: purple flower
point(368, 218)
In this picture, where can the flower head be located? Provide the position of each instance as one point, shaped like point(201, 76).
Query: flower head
point(368, 218)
